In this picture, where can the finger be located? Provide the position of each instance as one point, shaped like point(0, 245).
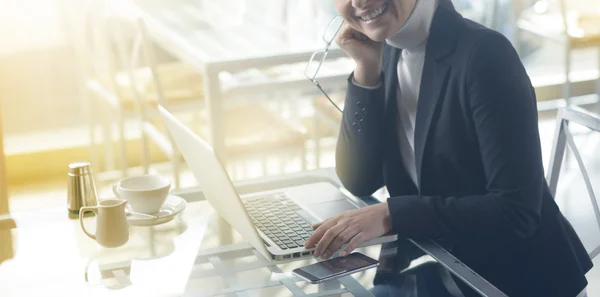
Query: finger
point(339, 240)
point(346, 33)
point(317, 225)
point(328, 237)
point(316, 236)
point(357, 240)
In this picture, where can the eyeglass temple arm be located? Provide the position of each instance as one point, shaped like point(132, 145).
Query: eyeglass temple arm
point(327, 96)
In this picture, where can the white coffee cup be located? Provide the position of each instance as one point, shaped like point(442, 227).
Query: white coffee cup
point(145, 193)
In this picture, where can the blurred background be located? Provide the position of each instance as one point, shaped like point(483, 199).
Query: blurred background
point(80, 81)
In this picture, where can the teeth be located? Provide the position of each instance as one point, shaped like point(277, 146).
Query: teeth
point(375, 13)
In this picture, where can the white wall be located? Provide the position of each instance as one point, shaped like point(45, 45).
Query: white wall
point(29, 24)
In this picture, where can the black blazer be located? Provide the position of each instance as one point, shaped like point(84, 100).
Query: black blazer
point(482, 191)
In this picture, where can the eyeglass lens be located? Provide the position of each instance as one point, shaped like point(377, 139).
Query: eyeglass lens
point(312, 69)
point(332, 29)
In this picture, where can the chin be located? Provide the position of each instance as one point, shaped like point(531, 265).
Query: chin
point(377, 35)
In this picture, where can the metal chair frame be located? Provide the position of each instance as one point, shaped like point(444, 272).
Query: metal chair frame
point(89, 32)
point(563, 138)
point(142, 50)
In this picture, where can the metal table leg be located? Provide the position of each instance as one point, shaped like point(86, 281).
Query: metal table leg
point(216, 134)
point(216, 125)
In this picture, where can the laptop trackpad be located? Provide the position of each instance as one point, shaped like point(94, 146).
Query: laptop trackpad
point(324, 210)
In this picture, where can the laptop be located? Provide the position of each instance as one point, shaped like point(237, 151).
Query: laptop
point(275, 222)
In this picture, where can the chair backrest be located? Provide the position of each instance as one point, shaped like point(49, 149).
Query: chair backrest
point(563, 138)
point(134, 52)
point(86, 25)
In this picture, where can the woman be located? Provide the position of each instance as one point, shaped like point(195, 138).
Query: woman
point(441, 111)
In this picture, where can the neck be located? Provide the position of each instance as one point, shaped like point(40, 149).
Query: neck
point(415, 31)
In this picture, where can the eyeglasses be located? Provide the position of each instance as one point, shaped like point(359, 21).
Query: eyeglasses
point(316, 60)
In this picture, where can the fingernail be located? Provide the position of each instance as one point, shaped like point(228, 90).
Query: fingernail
point(343, 253)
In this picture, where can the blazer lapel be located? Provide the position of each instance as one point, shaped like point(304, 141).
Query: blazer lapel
point(434, 78)
point(402, 184)
point(391, 77)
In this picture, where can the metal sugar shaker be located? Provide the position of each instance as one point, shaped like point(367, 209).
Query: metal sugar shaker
point(81, 187)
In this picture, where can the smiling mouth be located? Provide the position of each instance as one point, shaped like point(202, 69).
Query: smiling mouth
point(375, 14)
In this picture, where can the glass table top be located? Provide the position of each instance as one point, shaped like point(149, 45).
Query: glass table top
point(46, 253)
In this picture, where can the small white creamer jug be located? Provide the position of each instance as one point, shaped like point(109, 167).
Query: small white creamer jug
point(112, 228)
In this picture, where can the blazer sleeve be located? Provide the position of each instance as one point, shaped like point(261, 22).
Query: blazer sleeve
point(503, 111)
point(359, 150)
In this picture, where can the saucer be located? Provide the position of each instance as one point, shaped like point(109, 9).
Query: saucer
point(173, 205)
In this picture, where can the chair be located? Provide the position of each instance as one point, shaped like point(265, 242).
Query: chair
point(114, 84)
point(87, 28)
point(250, 130)
point(563, 138)
point(145, 83)
point(254, 132)
point(580, 32)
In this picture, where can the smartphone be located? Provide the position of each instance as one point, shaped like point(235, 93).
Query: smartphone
point(335, 267)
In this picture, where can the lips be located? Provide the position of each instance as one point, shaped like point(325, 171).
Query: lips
point(375, 13)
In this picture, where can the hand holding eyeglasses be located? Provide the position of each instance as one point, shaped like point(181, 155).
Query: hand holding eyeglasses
point(366, 53)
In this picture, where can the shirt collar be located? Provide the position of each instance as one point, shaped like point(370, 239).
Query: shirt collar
point(416, 30)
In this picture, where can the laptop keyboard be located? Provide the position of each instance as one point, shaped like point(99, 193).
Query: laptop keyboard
point(275, 215)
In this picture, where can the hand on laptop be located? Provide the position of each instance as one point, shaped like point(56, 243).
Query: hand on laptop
point(353, 227)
